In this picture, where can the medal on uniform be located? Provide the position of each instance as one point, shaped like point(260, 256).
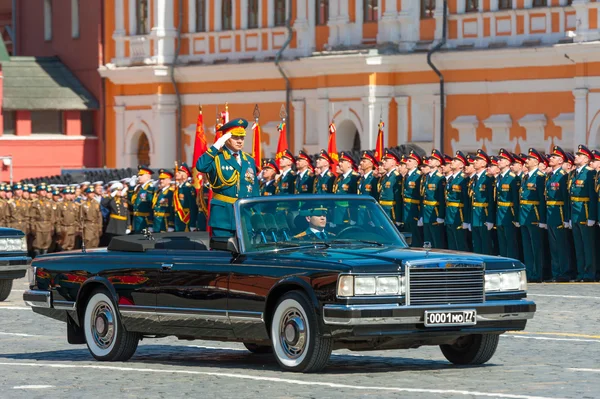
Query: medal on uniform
point(250, 175)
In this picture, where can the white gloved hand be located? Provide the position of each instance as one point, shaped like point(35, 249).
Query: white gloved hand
point(222, 140)
point(570, 225)
point(439, 221)
point(352, 223)
point(465, 226)
point(543, 226)
point(420, 222)
point(151, 230)
point(469, 226)
point(590, 223)
point(112, 194)
point(124, 192)
point(170, 229)
point(517, 224)
point(127, 231)
point(489, 225)
point(398, 224)
point(193, 229)
point(567, 225)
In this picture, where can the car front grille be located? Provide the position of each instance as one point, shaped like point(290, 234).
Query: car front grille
point(449, 283)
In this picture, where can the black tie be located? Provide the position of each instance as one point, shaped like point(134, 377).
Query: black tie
point(322, 235)
point(450, 180)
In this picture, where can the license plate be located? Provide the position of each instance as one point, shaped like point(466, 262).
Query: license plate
point(440, 318)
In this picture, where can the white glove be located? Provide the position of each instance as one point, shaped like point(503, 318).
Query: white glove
point(465, 226)
point(590, 223)
point(570, 225)
point(469, 226)
point(170, 229)
point(124, 192)
point(352, 223)
point(489, 225)
point(222, 140)
point(127, 231)
point(398, 224)
point(420, 222)
point(193, 229)
point(543, 226)
point(151, 230)
point(112, 194)
point(439, 221)
point(517, 224)
point(567, 225)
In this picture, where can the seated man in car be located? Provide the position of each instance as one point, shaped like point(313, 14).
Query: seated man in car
point(316, 216)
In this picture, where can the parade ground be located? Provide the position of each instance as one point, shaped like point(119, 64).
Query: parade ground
point(556, 357)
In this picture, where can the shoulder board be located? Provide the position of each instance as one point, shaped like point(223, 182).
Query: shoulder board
point(309, 173)
point(292, 173)
point(300, 235)
point(540, 173)
point(562, 172)
point(187, 184)
point(511, 174)
point(463, 175)
point(355, 173)
point(329, 173)
point(419, 172)
point(246, 154)
point(438, 174)
point(171, 188)
point(588, 168)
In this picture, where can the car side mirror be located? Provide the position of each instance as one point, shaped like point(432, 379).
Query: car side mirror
point(229, 244)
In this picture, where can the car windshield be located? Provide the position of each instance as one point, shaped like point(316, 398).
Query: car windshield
point(297, 221)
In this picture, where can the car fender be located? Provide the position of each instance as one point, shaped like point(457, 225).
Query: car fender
point(88, 286)
point(289, 284)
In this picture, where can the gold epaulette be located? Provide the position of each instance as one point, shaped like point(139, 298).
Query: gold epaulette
point(355, 173)
point(588, 168)
point(329, 173)
point(419, 172)
point(300, 235)
point(463, 175)
point(395, 172)
point(511, 174)
point(562, 171)
point(540, 173)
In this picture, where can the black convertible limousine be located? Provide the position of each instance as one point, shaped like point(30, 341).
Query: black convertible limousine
point(303, 276)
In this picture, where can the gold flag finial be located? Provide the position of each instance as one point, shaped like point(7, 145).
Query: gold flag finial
point(256, 113)
point(282, 113)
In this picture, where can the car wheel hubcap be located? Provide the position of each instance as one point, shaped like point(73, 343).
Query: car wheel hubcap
point(103, 325)
point(292, 333)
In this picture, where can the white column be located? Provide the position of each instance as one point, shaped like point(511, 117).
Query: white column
point(535, 126)
point(164, 127)
point(270, 13)
point(332, 23)
point(244, 16)
point(299, 127)
point(388, 29)
point(344, 27)
point(120, 135)
point(358, 24)
point(438, 15)
point(119, 33)
point(467, 134)
point(402, 136)
point(165, 32)
point(580, 136)
point(500, 126)
point(584, 34)
point(373, 108)
point(566, 122)
point(191, 16)
point(312, 22)
point(409, 24)
point(319, 134)
point(218, 15)
point(437, 107)
point(305, 43)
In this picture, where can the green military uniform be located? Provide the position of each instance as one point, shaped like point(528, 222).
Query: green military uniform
point(268, 188)
point(411, 199)
point(162, 209)
point(286, 183)
point(367, 185)
point(324, 180)
point(507, 213)
point(185, 207)
point(483, 209)
point(68, 223)
point(433, 210)
point(346, 183)
point(142, 206)
point(558, 213)
point(3, 206)
point(532, 214)
point(305, 180)
point(458, 211)
point(229, 179)
point(584, 208)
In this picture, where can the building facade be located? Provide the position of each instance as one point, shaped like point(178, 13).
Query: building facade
point(52, 117)
point(517, 73)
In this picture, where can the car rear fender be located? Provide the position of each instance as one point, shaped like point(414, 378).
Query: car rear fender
point(87, 288)
point(287, 284)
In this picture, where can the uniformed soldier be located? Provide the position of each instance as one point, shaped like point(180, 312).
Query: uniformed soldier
point(17, 216)
point(91, 219)
point(3, 205)
point(389, 186)
point(584, 214)
point(118, 219)
point(558, 215)
point(316, 216)
point(345, 183)
point(411, 199)
point(286, 182)
point(141, 200)
point(483, 215)
point(67, 220)
point(367, 184)
point(41, 217)
point(269, 172)
point(185, 205)
point(433, 191)
point(305, 178)
point(231, 174)
point(458, 211)
point(162, 203)
point(325, 178)
point(507, 200)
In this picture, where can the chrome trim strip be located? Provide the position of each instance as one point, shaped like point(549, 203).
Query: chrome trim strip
point(64, 305)
point(37, 299)
point(237, 315)
point(419, 319)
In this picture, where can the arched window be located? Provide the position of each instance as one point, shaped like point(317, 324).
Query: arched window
point(143, 152)
point(226, 13)
point(200, 15)
point(371, 10)
point(356, 144)
point(280, 14)
point(253, 14)
point(142, 27)
point(322, 12)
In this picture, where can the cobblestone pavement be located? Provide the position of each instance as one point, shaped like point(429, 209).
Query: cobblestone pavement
point(558, 356)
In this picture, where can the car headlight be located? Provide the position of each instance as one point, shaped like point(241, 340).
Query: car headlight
point(18, 244)
point(370, 285)
point(509, 281)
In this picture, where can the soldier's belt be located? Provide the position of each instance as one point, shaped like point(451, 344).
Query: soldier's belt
point(580, 199)
point(431, 203)
point(527, 202)
point(162, 214)
point(118, 217)
point(225, 198)
point(387, 203)
point(502, 203)
point(144, 214)
point(412, 201)
point(480, 204)
point(455, 204)
point(555, 203)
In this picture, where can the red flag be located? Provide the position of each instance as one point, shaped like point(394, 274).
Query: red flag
point(332, 147)
point(379, 144)
point(222, 119)
point(282, 144)
point(200, 148)
point(256, 150)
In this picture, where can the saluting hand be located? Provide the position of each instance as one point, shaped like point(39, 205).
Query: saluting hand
point(222, 140)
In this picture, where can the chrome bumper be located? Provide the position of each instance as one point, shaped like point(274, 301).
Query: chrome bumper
point(351, 315)
point(43, 299)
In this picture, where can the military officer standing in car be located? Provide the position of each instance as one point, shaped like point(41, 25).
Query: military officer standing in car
point(162, 203)
point(325, 178)
point(507, 200)
point(231, 174)
point(411, 198)
point(141, 200)
point(286, 182)
point(584, 214)
point(483, 215)
point(305, 178)
point(433, 210)
point(458, 211)
point(185, 206)
point(91, 219)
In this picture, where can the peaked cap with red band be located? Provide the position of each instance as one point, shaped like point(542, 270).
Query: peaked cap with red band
point(470, 159)
point(391, 153)
point(325, 155)
point(437, 154)
point(596, 154)
point(184, 168)
point(535, 154)
point(447, 158)
point(370, 156)
point(346, 156)
point(415, 156)
point(461, 157)
point(494, 160)
point(559, 152)
point(270, 163)
point(570, 158)
point(144, 170)
point(583, 150)
point(482, 155)
point(288, 154)
point(303, 155)
point(506, 155)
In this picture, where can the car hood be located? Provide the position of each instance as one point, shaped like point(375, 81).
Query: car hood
point(386, 259)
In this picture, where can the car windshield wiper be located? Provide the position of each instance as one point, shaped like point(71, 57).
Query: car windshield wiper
point(354, 242)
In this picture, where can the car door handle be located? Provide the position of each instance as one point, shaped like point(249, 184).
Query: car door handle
point(166, 266)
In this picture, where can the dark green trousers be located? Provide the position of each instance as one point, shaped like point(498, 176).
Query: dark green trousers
point(457, 238)
point(560, 252)
point(434, 233)
point(532, 251)
point(417, 234)
point(583, 237)
point(508, 245)
point(482, 240)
